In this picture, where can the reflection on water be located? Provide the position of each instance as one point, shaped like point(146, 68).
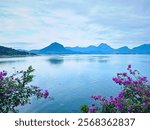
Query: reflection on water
point(103, 61)
point(10, 61)
point(76, 77)
point(101, 56)
point(56, 61)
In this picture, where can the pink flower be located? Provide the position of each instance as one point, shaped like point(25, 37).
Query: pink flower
point(46, 94)
point(129, 66)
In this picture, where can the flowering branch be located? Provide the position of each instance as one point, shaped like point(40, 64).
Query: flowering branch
point(134, 97)
point(15, 91)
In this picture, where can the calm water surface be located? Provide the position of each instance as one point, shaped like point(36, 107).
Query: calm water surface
point(73, 79)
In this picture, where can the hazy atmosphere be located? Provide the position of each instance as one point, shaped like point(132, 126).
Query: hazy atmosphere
point(73, 56)
point(33, 24)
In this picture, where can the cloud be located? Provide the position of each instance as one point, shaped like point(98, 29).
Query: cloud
point(74, 23)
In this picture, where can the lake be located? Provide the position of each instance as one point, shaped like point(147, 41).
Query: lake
point(73, 79)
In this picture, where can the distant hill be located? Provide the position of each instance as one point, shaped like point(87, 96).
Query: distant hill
point(123, 50)
point(54, 48)
point(57, 48)
point(142, 49)
point(82, 49)
point(103, 48)
point(11, 52)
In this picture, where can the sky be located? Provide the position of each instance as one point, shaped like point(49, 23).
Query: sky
point(34, 24)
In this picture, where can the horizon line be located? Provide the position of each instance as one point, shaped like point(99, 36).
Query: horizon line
point(70, 46)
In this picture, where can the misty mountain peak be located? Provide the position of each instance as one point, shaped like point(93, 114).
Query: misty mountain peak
point(55, 44)
point(102, 44)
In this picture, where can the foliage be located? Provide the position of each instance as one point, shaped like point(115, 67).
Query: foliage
point(84, 108)
point(134, 97)
point(11, 52)
point(15, 91)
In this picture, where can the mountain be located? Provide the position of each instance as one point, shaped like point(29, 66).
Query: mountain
point(142, 49)
point(11, 52)
point(84, 50)
point(54, 48)
point(103, 48)
point(22, 50)
point(123, 50)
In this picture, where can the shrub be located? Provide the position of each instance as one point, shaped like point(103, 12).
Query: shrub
point(134, 97)
point(15, 91)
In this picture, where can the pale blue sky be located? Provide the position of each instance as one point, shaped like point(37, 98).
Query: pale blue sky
point(29, 24)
